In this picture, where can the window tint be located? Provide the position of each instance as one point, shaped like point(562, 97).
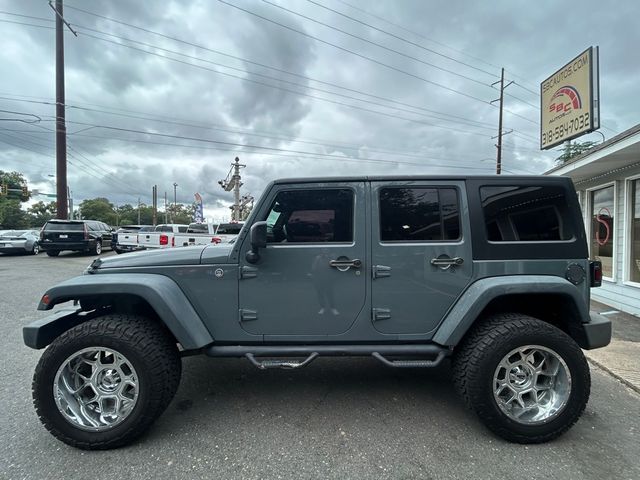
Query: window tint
point(419, 214)
point(634, 228)
point(164, 228)
point(311, 216)
point(182, 229)
point(229, 228)
point(64, 227)
point(525, 214)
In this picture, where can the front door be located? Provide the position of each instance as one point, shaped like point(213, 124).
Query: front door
point(310, 278)
point(421, 253)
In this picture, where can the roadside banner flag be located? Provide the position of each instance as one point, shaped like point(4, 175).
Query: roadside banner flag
point(198, 214)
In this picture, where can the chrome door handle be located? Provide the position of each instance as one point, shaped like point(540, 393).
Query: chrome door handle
point(447, 262)
point(344, 265)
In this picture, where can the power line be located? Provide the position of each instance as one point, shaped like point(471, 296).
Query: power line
point(295, 92)
point(382, 19)
point(240, 132)
point(466, 122)
point(217, 52)
point(371, 42)
point(398, 37)
point(373, 60)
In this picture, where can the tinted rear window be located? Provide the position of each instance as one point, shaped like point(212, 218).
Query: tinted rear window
point(525, 213)
point(229, 229)
point(64, 227)
point(419, 214)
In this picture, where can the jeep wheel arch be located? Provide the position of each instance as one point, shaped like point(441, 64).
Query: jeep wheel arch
point(159, 292)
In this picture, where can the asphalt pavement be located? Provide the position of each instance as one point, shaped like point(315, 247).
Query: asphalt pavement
point(337, 418)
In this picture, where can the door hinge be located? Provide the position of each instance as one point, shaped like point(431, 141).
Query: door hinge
point(248, 315)
point(380, 271)
point(248, 272)
point(380, 314)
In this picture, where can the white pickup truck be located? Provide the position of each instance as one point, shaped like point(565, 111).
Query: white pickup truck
point(163, 236)
point(206, 233)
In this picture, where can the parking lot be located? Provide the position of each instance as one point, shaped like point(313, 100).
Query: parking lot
point(335, 419)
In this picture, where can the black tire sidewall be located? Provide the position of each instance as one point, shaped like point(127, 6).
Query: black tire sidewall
point(580, 385)
point(45, 402)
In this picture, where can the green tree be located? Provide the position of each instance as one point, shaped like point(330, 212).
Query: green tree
point(573, 149)
point(12, 216)
point(15, 183)
point(40, 212)
point(100, 209)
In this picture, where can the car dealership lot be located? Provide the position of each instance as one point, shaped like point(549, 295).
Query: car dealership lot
point(334, 419)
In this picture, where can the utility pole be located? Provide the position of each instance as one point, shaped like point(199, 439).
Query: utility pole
point(154, 201)
point(165, 207)
point(175, 203)
point(138, 210)
point(233, 182)
point(61, 129)
point(70, 202)
point(500, 132)
point(62, 204)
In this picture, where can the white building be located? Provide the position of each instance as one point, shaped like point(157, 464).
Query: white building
point(607, 179)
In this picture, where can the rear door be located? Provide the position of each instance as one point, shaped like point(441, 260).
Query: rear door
point(421, 253)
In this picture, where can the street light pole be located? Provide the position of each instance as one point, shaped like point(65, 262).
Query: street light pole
point(175, 203)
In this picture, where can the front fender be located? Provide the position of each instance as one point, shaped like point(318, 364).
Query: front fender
point(473, 301)
point(159, 291)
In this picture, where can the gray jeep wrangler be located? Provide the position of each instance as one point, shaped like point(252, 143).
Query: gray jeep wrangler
point(490, 273)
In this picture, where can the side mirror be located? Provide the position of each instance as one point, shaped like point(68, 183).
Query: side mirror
point(258, 237)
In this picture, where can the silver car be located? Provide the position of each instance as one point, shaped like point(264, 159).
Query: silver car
point(20, 241)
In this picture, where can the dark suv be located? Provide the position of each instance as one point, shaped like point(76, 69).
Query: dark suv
point(76, 235)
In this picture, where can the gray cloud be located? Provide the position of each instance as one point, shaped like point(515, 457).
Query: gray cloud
point(530, 40)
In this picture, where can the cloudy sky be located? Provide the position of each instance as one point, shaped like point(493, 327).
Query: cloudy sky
point(164, 92)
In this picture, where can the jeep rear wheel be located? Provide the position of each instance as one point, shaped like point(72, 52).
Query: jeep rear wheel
point(527, 380)
point(53, 253)
point(102, 384)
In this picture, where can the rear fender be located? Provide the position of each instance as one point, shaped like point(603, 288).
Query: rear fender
point(475, 299)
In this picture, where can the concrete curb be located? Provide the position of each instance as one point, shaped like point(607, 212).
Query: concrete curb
point(621, 379)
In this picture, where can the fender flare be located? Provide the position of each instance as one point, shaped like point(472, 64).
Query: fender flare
point(478, 295)
point(159, 291)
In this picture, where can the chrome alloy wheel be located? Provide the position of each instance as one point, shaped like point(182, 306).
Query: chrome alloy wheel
point(532, 384)
point(96, 388)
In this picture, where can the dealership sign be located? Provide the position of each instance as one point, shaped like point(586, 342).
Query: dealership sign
point(570, 100)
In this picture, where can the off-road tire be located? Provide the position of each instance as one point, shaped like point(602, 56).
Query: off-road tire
point(477, 357)
point(150, 349)
point(53, 253)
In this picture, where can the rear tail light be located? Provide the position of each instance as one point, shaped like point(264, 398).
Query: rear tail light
point(596, 273)
point(164, 240)
point(42, 234)
point(216, 240)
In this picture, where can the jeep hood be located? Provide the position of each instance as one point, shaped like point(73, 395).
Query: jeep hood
point(163, 257)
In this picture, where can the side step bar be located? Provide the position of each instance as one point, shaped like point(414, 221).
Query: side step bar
point(286, 364)
point(410, 363)
point(417, 356)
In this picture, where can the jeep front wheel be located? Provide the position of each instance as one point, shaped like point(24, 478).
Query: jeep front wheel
point(102, 384)
point(527, 380)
